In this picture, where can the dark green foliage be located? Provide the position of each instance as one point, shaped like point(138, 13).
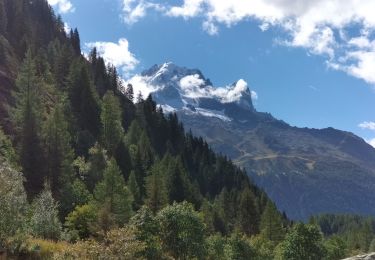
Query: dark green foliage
point(271, 224)
point(303, 242)
point(112, 194)
point(135, 191)
point(157, 196)
point(59, 154)
point(248, 218)
point(335, 248)
point(147, 230)
point(112, 131)
point(129, 92)
point(80, 221)
point(76, 42)
point(238, 248)
point(7, 151)
point(181, 231)
point(84, 101)
point(28, 113)
point(357, 232)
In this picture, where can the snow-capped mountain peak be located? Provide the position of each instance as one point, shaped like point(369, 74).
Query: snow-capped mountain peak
point(179, 88)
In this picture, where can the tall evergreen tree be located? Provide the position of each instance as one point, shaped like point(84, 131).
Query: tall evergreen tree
point(84, 102)
point(157, 196)
point(177, 182)
point(113, 193)
point(28, 111)
point(59, 154)
point(76, 42)
point(248, 216)
point(271, 224)
point(129, 92)
point(134, 189)
point(112, 131)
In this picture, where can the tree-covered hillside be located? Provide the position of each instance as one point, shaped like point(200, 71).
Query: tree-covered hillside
point(90, 170)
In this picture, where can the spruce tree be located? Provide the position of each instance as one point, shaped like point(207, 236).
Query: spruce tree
point(129, 92)
point(112, 193)
point(59, 154)
point(248, 216)
point(28, 111)
point(134, 189)
point(84, 102)
point(112, 131)
point(76, 42)
point(271, 224)
point(157, 196)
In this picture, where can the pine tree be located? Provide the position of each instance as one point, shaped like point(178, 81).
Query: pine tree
point(113, 193)
point(61, 65)
point(112, 131)
point(133, 134)
point(76, 42)
point(177, 182)
point(84, 101)
point(146, 152)
point(248, 216)
point(129, 92)
point(27, 113)
point(134, 189)
point(271, 224)
point(59, 154)
point(157, 196)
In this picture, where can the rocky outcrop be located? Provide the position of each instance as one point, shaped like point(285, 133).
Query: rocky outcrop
point(370, 256)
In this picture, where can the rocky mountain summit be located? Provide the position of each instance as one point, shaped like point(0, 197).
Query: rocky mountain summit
point(305, 171)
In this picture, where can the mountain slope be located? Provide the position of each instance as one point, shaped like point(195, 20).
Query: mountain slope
point(305, 171)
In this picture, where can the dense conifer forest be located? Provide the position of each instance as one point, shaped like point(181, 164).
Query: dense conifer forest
point(91, 170)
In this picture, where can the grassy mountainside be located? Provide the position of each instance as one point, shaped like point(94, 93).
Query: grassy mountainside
point(305, 171)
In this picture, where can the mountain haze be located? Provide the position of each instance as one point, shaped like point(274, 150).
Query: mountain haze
point(305, 171)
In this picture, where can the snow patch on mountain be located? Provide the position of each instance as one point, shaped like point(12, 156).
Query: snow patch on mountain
point(181, 89)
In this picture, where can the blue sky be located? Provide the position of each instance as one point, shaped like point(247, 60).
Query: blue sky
point(311, 63)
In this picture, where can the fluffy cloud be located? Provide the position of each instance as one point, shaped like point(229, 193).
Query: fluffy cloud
point(141, 85)
point(117, 54)
point(323, 27)
point(371, 142)
point(367, 125)
point(192, 87)
point(63, 6)
point(134, 10)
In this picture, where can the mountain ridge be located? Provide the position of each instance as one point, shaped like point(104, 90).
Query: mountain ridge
point(306, 171)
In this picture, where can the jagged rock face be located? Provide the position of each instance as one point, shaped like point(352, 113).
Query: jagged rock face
point(370, 256)
point(178, 88)
point(305, 171)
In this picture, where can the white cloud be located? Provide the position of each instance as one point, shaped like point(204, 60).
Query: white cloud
point(193, 87)
point(63, 6)
point(371, 142)
point(323, 27)
point(141, 85)
point(117, 54)
point(254, 95)
point(134, 10)
point(67, 28)
point(367, 125)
